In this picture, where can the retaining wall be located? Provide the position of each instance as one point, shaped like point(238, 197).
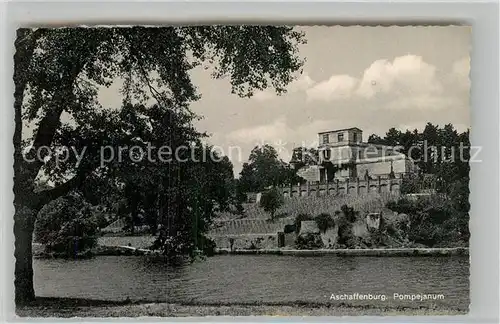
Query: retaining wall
point(345, 187)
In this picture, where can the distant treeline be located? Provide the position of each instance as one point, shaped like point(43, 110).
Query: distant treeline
point(441, 152)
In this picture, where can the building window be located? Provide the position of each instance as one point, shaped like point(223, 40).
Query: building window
point(325, 138)
point(355, 137)
point(341, 137)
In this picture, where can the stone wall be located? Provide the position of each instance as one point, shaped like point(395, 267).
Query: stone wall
point(359, 228)
point(308, 227)
point(349, 187)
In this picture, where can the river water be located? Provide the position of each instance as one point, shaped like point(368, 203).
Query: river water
point(260, 278)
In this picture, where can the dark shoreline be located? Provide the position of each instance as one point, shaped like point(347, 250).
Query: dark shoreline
point(388, 252)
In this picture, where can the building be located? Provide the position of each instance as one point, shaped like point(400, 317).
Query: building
point(344, 155)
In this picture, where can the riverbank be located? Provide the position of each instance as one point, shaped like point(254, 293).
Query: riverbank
point(98, 251)
point(388, 252)
point(354, 252)
point(65, 307)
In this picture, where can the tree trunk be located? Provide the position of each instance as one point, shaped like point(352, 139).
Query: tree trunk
point(24, 219)
point(24, 216)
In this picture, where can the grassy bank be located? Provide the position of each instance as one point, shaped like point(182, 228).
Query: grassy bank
point(64, 307)
point(293, 206)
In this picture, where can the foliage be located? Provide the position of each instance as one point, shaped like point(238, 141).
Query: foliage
point(442, 152)
point(389, 234)
point(415, 183)
point(350, 214)
point(345, 219)
point(240, 197)
point(303, 156)
point(377, 238)
point(434, 221)
point(62, 70)
point(100, 218)
point(324, 222)
point(67, 225)
point(289, 228)
point(299, 219)
point(270, 201)
point(263, 169)
point(308, 242)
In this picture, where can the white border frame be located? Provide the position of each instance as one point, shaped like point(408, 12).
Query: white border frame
point(483, 16)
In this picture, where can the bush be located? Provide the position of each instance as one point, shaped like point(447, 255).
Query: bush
point(417, 183)
point(67, 225)
point(324, 222)
point(349, 213)
point(308, 242)
point(208, 245)
point(345, 219)
point(299, 219)
point(270, 201)
point(289, 228)
point(172, 246)
point(434, 221)
point(100, 218)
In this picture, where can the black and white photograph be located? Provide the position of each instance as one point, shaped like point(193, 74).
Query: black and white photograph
point(242, 170)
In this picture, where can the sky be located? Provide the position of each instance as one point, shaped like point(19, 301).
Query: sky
point(373, 78)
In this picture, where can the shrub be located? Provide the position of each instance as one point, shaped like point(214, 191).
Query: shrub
point(349, 213)
point(100, 218)
point(270, 201)
point(434, 221)
point(308, 242)
point(172, 246)
point(345, 219)
point(299, 219)
point(410, 184)
point(346, 236)
point(208, 245)
point(67, 225)
point(417, 183)
point(324, 222)
point(289, 228)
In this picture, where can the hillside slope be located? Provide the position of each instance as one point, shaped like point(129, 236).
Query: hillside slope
point(256, 221)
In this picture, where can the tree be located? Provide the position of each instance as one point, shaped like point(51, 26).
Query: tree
point(67, 225)
point(393, 137)
point(270, 201)
point(439, 151)
point(375, 139)
point(240, 196)
point(61, 70)
point(199, 191)
point(442, 154)
point(302, 156)
point(436, 221)
point(264, 169)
